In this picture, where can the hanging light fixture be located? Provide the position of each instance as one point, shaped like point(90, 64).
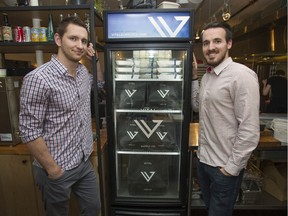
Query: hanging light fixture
point(197, 36)
point(226, 11)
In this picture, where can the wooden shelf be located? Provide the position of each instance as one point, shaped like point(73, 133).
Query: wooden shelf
point(31, 47)
point(28, 47)
point(22, 15)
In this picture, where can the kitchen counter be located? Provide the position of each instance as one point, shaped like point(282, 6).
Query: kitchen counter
point(266, 141)
point(21, 149)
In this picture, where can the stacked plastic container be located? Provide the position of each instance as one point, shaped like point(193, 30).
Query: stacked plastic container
point(280, 130)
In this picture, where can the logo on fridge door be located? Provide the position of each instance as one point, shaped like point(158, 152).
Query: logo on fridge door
point(161, 136)
point(165, 26)
point(131, 134)
point(163, 93)
point(130, 92)
point(147, 176)
point(144, 127)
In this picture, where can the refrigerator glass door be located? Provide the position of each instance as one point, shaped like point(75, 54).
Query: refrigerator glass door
point(148, 116)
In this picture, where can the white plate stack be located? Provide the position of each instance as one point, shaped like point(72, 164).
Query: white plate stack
point(127, 69)
point(280, 130)
point(169, 69)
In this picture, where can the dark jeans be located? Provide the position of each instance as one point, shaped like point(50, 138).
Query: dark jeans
point(81, 181)
point(219, 191)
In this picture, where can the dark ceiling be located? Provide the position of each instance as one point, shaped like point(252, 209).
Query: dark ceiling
point(209, 10)
point(250, 19)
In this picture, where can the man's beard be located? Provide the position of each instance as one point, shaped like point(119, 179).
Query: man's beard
point(214, 62)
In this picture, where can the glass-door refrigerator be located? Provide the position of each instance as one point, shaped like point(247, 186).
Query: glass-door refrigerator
point(148, 64)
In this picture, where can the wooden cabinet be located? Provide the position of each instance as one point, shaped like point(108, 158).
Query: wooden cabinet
point(20, 196)
point(17, 187)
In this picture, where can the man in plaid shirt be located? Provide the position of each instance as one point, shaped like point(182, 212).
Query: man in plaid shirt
point(55, 123)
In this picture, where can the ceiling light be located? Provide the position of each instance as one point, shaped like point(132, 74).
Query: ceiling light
point(226, 12)
point(197, 37)
point(226, 16)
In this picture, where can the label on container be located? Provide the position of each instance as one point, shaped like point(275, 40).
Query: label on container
point(5, 137)
point(18, 34)
point(27, 34)
point(34, 34)
point(7, 33)
point(42, 34)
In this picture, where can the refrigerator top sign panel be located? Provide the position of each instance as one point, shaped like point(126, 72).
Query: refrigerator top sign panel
point(148, 25)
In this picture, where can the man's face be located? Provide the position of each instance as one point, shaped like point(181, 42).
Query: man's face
point(214, 46)
point(73, 44)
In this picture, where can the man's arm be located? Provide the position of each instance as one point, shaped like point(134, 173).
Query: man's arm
point(100, 74)
point(41, 153)
point(266, 88)
point(195, 86)
point(33, 105)
point(246, 108)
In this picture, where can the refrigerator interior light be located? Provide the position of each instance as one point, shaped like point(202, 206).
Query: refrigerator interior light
point(151, 53)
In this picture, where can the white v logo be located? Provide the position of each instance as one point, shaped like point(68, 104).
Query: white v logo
point(162, 93)
point(161, 136)
point(131, 134)
point(147, 130)
point(129, 92)
point(146, 176)
point(183, 20)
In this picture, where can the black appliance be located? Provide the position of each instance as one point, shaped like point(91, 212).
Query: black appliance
point(148, 59)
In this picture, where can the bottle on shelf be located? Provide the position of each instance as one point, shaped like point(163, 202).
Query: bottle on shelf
point(6, 29)
point(23, 2)
point(61, 17)
point(87, 22)
point(50, 29)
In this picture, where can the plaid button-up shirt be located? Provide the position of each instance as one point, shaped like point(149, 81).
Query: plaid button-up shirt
point(56, 106)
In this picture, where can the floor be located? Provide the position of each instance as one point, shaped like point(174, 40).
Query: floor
point(196, 212)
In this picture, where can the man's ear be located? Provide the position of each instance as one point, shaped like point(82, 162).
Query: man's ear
point(229, 44)
point(57, 39)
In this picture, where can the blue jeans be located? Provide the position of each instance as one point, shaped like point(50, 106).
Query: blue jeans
point(219, 191)
point(82, 181)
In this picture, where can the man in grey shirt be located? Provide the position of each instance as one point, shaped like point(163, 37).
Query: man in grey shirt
point(228, 104)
